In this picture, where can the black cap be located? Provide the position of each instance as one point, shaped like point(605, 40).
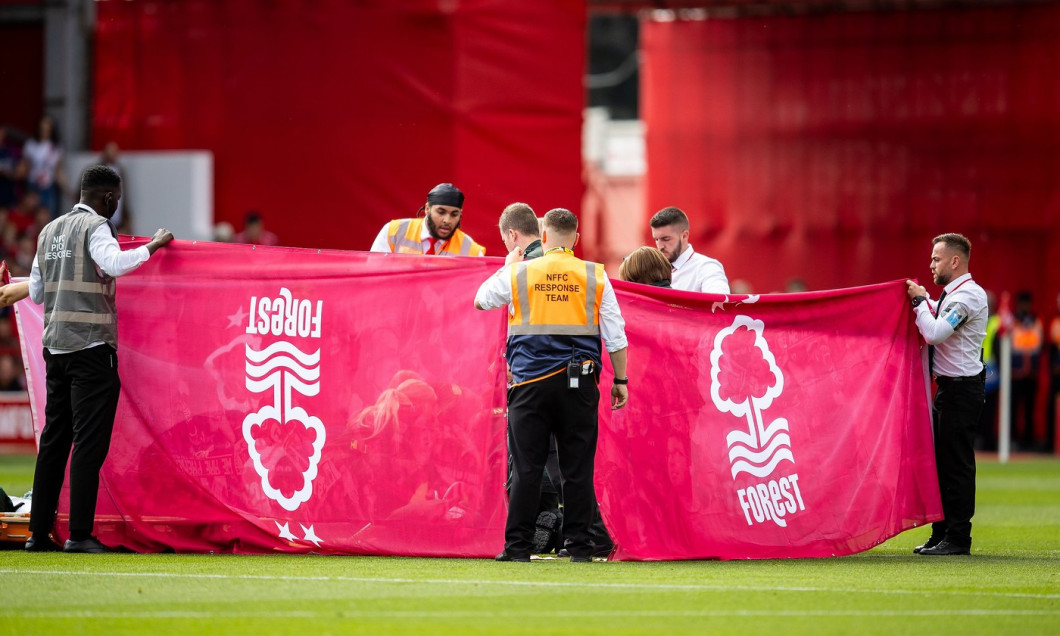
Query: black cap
point(446, 194)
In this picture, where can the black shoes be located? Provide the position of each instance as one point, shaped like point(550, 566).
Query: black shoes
point(581, 559)
point(504, 556)
point(946, 548)
point(90, 545)
point(43, 544)
point(930, 543)
point(599, 553)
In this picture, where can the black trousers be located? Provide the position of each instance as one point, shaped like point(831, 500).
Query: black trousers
point(83, 389)
point(537, 411)
point(955, 416)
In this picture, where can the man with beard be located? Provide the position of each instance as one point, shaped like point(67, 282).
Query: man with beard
point(954, 327)
point(691, 271)
point(437, 233)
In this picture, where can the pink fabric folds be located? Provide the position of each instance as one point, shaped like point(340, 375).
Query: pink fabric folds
point(288, 400)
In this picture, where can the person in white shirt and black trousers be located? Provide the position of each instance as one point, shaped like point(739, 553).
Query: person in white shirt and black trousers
point(78, 258)
point(954, 328)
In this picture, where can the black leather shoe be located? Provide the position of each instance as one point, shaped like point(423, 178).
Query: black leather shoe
point(601, 553)
point(946, 548)
point(504, 556)
point(44, 544)
point(581, 559)
point(90, 545)
point(930, 543)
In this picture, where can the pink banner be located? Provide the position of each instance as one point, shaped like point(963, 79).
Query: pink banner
point(277, 399)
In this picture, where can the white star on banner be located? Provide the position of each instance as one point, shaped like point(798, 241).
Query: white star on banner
point(285, 531)
point(311, 536)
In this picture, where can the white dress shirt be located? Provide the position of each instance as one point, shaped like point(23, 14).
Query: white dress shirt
point(496, 292)
point(697, 272)
point(958, 330)
point(107, 254)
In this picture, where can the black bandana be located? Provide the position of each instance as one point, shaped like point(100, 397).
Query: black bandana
point(446, 194)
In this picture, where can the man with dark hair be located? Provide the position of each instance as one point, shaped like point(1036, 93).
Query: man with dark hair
point(254, 232)
point(692, 271)
point(78, 258)
point(520, 232)
point(558, 308)
point(438, 232)
point(954, 327)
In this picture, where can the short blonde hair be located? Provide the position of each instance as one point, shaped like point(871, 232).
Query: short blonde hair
point(645, 265)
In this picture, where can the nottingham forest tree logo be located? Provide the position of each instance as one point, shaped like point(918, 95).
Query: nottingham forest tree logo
point(744, 381)
point(283, 440)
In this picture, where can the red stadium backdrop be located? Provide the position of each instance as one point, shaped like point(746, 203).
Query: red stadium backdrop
point(834, 147)
point(333, 117)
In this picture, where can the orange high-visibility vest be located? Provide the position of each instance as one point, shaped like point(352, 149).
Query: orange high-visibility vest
point(556, 302)
point(557, 294)
point(403, 235)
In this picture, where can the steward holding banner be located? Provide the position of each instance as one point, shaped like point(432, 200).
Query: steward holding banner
point(559, 307)
point(954, 327)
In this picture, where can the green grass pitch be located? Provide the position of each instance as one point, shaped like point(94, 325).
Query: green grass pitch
point(1010, 585)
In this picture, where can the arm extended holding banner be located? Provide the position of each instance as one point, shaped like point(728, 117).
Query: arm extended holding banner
point(13, 292)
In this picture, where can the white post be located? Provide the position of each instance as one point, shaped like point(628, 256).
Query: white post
point(1004, 399)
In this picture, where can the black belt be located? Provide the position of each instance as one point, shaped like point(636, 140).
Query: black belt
point(979, 377)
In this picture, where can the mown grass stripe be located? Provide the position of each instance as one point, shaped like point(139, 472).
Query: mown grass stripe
point(639, 587)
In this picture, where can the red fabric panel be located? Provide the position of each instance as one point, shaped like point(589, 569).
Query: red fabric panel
point(333, 117)
point(834, 147)
point(371, 420)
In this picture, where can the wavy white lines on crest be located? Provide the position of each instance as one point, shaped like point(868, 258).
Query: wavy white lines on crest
point(284, 368)
point(759, 449)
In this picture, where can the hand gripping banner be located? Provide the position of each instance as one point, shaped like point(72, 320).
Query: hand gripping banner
point(286, 400)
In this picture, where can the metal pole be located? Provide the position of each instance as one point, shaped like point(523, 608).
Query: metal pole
point(1004, 399)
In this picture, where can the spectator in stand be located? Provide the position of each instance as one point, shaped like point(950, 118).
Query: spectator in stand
point(23, 215)
point(43, 156)
point(647, 266)
point(1053, 409)
point(22, 262)
point(11, 374)
point(691, 271)
point(1027, 336)
point(8, 239)
point(254, 231)
point(43, 218)
point(740, 286)
point(795, 285)
point(122, 220)
point(8, 340)
point(9, 160)
point(223, 232)
point(437, 233)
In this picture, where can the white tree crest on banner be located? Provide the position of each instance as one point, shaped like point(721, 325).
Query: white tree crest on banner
point(284, 369)
point(758, 450)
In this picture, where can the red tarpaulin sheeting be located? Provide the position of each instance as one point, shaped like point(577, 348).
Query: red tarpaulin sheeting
point(332, 118)
point(276, 399)
point(833, 147)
